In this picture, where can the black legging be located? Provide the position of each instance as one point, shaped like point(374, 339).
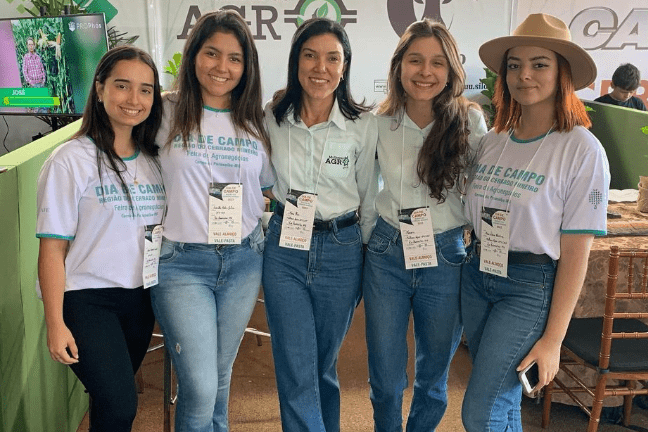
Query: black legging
point(112, 328)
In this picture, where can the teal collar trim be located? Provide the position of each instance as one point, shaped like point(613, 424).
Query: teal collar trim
point(219, 110)
point(521, 141)
point(130, 158)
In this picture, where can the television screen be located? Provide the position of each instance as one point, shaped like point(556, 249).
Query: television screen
point(48, 63)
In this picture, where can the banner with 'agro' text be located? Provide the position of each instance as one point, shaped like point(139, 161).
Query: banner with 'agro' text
point(612, 32)
point(373, 26)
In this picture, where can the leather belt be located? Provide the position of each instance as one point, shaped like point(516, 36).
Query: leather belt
point(521, 257)
point(320, 225)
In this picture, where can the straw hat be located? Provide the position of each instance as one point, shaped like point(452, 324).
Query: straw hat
point(545, 31)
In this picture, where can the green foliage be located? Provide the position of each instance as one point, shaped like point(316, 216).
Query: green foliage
point(489, 82)
point(174, 66)
point(116, 38)
point(54, 7)
point(46, 33)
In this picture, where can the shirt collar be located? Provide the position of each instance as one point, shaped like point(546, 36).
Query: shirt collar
point(408, 122)
point(336, 117)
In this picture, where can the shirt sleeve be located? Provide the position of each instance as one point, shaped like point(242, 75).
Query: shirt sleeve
point(57, 202)
point(478, 129)
point(267, 177)
point(367, 178)
point(25, 69)
point(585, 208)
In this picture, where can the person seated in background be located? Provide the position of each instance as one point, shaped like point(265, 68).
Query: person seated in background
point(625, 82)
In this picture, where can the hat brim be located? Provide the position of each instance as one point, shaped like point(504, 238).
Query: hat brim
point(583, 68)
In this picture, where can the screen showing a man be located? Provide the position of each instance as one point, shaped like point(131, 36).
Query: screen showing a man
point(33, 70)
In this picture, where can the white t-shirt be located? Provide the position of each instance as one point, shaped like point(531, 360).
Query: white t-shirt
point(334, 159)
point(399, 146)
point(218, 155)
point(559, 184)
point(106, 239)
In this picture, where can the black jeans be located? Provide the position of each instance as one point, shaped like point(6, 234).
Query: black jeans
point(112, 328)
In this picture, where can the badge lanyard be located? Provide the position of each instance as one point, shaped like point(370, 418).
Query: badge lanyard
point(299, 211)
point(416, 228)
point(152, 237)
point(495, 240)
point(225, 208)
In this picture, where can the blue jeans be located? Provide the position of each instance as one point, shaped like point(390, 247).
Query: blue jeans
point(203, 303)
point(503, 318)
point(310, 299)
point(431, 295)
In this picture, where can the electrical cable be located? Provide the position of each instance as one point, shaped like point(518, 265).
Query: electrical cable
point(4, 141)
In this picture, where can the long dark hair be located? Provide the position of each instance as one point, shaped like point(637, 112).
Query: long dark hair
point(569, 111)
point(291, 96)
point(96, 124)
point(445, 154)
point(247, 113)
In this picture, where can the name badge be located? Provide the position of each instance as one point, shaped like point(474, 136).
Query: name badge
point(152, 244)
point(417, 233)
point(493, 258)
point(298, 218)
point(225, 213)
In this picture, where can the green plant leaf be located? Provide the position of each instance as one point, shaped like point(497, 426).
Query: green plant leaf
point(323, 11)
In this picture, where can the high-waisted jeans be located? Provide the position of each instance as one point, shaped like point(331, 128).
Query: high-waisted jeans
point(310, 299)
point(393, 293)
point(503, 318)
point(203, 303)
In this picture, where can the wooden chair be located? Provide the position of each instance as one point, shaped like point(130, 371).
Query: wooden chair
point(615, 346)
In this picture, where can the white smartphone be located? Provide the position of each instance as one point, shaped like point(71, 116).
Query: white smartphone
point(529, 377)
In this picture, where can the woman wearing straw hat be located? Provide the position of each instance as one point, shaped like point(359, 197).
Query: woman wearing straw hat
point(537, 198)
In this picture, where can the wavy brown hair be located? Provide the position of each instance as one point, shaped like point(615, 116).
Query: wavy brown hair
point(569, 111)
point(247, 113)
point(445, 154)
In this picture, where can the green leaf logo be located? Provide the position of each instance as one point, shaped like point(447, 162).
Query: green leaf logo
point(322, 12)
point(645, 130)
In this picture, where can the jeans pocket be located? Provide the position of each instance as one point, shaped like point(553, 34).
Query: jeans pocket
point(257, 242)
point(378, 244)
point(274, 227)
point(347, 236)
point(168, 251)
point(528, 274)
point(452, 253)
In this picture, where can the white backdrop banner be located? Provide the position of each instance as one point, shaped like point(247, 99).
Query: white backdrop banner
point(613, 32)
point(373, 26)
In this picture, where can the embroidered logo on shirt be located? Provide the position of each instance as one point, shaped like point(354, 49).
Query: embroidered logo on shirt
point(595, 197)
point(337, 159)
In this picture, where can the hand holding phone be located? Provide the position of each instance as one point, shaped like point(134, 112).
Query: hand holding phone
point(529, 377)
